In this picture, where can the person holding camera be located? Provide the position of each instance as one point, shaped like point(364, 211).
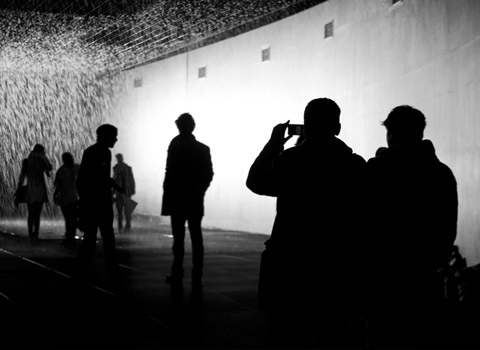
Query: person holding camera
point(309, 269)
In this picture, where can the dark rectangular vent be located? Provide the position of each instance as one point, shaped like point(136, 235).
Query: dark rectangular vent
point(329, 29)
point(202, 72)
point(138, 82)
point(266, 54)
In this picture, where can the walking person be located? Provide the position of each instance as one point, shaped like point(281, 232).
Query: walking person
point(66, 196)
point(34, 169)
point(94, 185)
point(123, 176)
point(187, 177)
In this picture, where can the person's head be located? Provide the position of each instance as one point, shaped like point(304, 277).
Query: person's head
point(119, 157)
point(405, 125)
point(107, 135)
point(38, 148)
point(321, 118)
point(67, 159)
point(185, 123)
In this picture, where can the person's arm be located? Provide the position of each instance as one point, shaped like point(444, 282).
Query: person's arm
point(48, 166)
point(260, 178)
point(132, 181)
point(23, 173)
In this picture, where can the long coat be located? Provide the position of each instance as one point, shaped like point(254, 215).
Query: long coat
point(123, 176)
point(33, 170)
point(188, 175)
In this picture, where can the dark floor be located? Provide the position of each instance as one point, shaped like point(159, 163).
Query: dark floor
point(42, 306)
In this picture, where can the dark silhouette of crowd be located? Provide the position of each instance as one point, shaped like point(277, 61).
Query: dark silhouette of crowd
point(357, 247)
point(356, 243)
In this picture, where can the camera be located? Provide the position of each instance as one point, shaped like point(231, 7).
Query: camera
point(295, 129)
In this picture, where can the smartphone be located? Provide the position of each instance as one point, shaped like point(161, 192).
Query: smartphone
point(295, 129)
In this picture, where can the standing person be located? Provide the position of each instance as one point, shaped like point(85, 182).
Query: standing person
point(123, 176)
point(187, 177)
point(94, 186)
point(33, 171)
point(309, 273)
point(413, 228)
point(66, 196)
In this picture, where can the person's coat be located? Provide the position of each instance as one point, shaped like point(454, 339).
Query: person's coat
point(188, 175)
point(65, 185)
point(33, 171)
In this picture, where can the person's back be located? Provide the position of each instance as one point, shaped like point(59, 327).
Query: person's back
point(188, 173)
point(123, 176)
point(94, 182)
point(413, 227)
point(65, 184)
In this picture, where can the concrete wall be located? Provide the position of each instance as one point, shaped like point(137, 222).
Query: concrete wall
point(423, 53)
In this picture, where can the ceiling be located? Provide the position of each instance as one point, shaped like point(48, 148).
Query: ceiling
point(78, 7)
point(121, 34)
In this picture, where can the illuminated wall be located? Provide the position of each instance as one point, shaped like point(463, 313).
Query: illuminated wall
point(423, 53)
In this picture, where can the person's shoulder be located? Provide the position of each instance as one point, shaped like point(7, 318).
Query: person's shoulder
point(445, 170)
point(358, 159)
point(202, 145)
point(90, 149)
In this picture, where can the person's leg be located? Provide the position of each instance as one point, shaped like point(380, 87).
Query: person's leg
point(30, 208)
point(70, 222)
point(178, 232)
point(37, 212)
point(87, 248)
point(119, 204)
point(128, 215)
point(108, 237)
point(195, 228)
point(64, 210)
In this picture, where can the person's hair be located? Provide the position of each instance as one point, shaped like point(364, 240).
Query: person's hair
point(106, 130)
point(321, 116)
point(405, 124)
point(185, 123)
point(67, 159)
point(38, 148)
point(119, 156)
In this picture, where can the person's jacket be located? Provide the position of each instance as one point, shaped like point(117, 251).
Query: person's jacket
point(317, 185)
point(188, 175)
point(33, 171)
point(94, 183)
point(413, 215)
point(65, 185)
point(123, 176)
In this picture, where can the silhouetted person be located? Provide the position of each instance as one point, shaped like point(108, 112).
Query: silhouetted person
point(308, 281)
point(66, 195)
point(188, 175)
point(123, 176)
point(94, 186)
point(33, 170)
point(413, 218)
